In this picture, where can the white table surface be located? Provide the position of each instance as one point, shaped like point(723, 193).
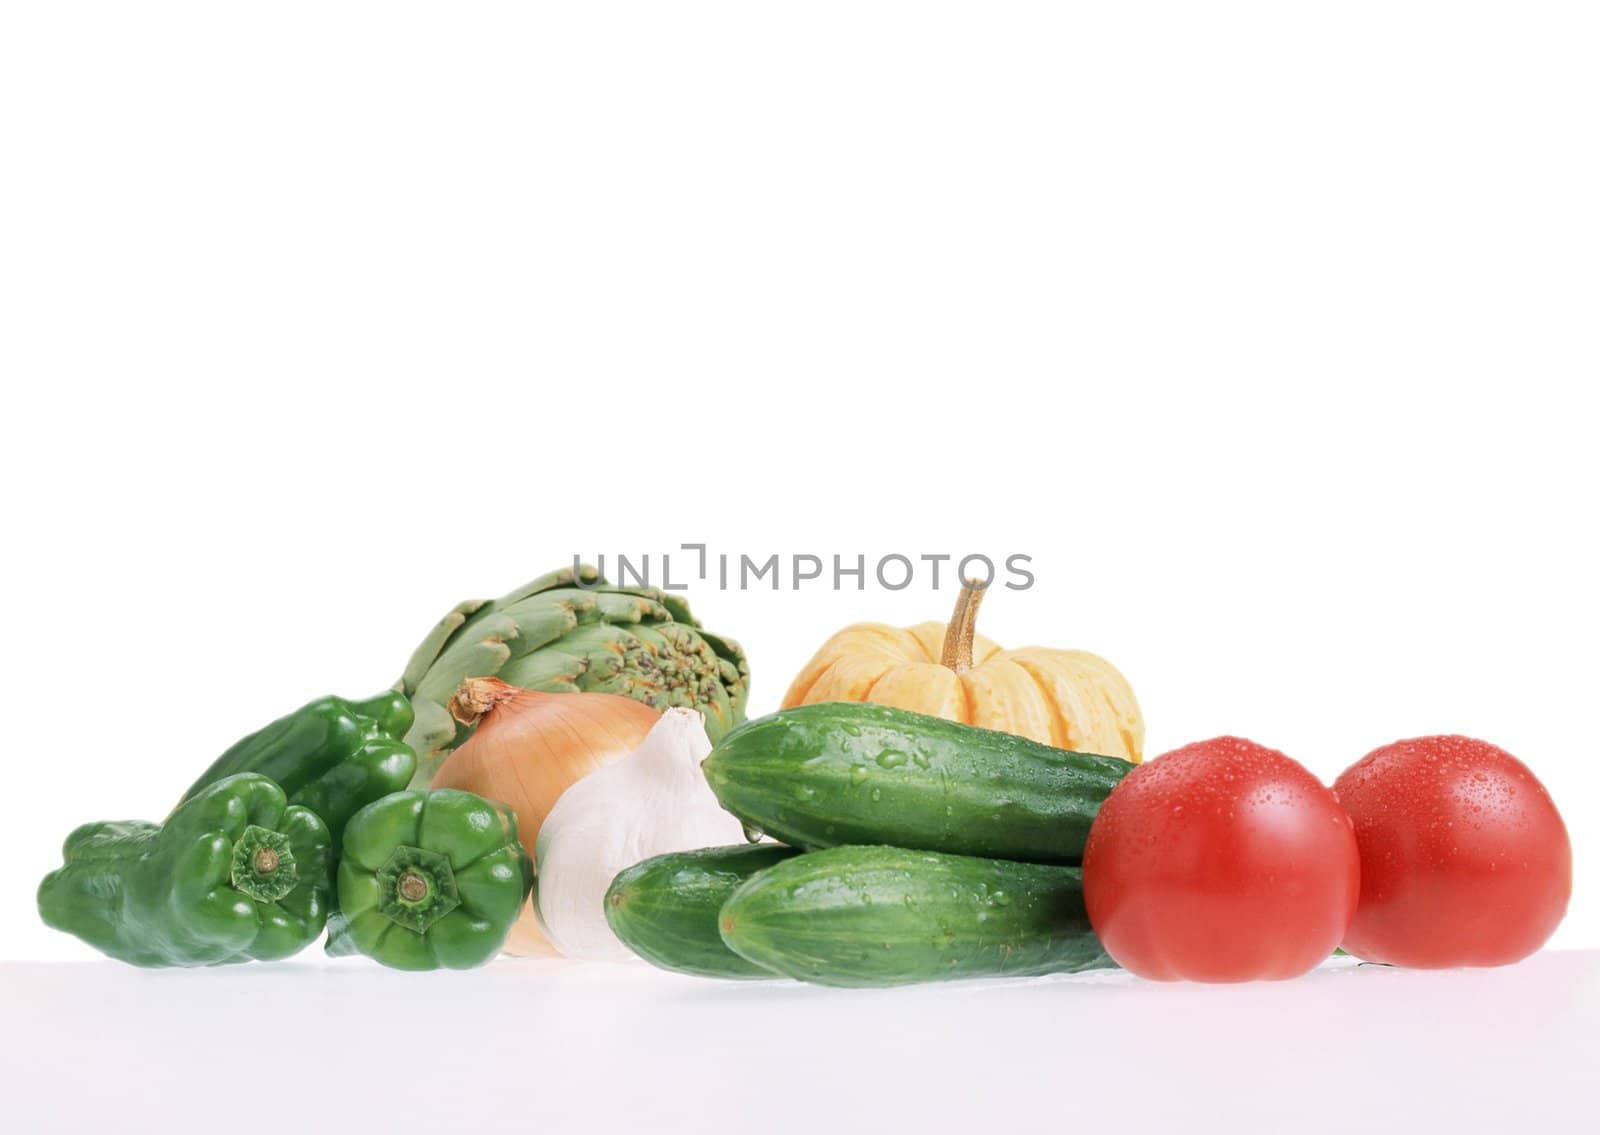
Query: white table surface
point(555, 1046)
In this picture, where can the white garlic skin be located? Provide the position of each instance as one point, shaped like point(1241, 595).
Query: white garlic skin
point(651, 802)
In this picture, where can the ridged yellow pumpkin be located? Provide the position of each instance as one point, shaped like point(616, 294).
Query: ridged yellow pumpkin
point(1067, 698)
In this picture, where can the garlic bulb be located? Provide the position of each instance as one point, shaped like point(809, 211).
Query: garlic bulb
point(652, 801)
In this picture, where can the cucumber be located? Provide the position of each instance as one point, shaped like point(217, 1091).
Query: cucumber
point(665, 909)
point(869, 916)
point(847, 773)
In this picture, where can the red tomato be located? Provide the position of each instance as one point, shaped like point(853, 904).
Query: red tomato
point(1221, 861)
point(1464, 858)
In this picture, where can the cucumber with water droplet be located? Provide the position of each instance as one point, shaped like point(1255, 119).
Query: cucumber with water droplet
point(871, 916)
point(847, 773)
point(665, 909)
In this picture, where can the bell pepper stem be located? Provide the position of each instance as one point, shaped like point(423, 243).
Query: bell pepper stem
point(417, 888)
point(263, 865)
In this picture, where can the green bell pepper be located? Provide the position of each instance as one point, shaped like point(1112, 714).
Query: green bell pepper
point(430, 879)
point(333, 756)
point(235, 873)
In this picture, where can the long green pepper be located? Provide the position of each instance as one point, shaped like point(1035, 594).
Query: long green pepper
point(236, 873)
point(333, 756)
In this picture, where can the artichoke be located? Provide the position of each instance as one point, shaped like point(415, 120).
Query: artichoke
point(562, 636)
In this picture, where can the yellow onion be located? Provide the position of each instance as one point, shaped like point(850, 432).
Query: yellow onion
point(529, 748)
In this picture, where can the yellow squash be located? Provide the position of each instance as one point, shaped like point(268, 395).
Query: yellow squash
point(1067, 698)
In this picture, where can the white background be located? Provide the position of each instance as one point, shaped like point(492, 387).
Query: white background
point(1268, 330)
point(1272, 339)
